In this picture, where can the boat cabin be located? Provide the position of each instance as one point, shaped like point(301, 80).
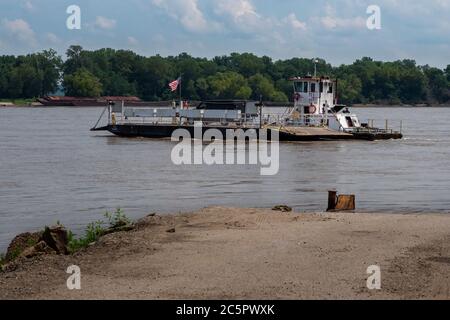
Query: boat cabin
point(315, 104)
point(314, 95)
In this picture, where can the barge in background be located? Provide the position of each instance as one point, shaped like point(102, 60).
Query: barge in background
point(66, 101)
point(314, 116)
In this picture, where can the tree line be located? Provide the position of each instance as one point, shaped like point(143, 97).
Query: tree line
point(112, 72)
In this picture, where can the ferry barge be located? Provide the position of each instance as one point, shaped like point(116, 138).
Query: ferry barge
point(315, 115)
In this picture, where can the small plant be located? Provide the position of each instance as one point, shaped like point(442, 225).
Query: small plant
point(15, 254)
point(93, 232)
point(31, 242)
point(98, 229)
point(118, 219)
point(2, 259)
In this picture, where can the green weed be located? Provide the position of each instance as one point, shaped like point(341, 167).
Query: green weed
point(96, 230)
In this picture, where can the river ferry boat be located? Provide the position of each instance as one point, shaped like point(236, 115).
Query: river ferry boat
point(315, 115)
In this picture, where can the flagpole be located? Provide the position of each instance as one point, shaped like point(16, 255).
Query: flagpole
point(181, 103)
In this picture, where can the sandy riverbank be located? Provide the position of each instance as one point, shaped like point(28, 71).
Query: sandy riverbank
point(252, 254)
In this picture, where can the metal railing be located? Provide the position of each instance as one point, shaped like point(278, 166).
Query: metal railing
point(312, 120)
point(386, 123)
point(249, 123)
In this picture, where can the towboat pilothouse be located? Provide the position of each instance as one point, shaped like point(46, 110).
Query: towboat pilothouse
point(314, 115)
point(316, 106)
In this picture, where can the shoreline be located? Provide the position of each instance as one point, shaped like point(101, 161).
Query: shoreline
point(237, 253)
point(413, 106)
point(368, 105)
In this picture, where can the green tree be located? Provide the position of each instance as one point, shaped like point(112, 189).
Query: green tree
point(412, 86)
point(190, 69)
point(247, 64)
point(74, 59)
point(238, 75)
point(117, 85)
point(228, 85)
point(29, 76)
point(349, 89)
point(438, 85)
point(263, 87)
point(50, 64)
point(279, 96)
point(82, 84)
point(153, 76)
point(26, 82)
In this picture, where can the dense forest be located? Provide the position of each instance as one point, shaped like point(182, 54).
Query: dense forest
point(244, 76)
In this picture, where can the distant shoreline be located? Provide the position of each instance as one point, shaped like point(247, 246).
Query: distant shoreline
point(422, 105)
point(368, 105)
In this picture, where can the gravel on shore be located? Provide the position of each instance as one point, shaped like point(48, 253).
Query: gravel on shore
point(235, 253)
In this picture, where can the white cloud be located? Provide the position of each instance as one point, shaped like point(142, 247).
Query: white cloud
point(242, 14)
point(243, 17)
point(52, 38)
point(132, 41)
point(411, 7)
point(21, 30)
point(188, 13)
point(105, 23)
point(238, 9)
point(332, 21)
point(28, 5)
point(292, 21)
point(237, 16)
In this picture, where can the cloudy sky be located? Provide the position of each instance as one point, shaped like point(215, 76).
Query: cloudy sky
point(335, 30)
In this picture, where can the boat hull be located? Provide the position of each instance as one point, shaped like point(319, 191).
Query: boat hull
point(302, 134)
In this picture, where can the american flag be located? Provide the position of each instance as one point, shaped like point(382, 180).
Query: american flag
point(174, 84)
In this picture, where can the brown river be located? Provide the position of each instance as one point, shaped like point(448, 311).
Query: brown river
point(52, 168)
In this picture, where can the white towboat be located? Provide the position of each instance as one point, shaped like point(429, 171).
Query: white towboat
point(314, 116)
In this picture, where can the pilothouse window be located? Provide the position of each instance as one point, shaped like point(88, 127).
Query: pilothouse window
point(305, 86)
point(350, 122)
point(313, 87)
point(330, 88)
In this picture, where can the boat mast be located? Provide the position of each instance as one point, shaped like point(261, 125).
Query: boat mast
point(260, 111)
point(336, 92)
point(315, 67)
